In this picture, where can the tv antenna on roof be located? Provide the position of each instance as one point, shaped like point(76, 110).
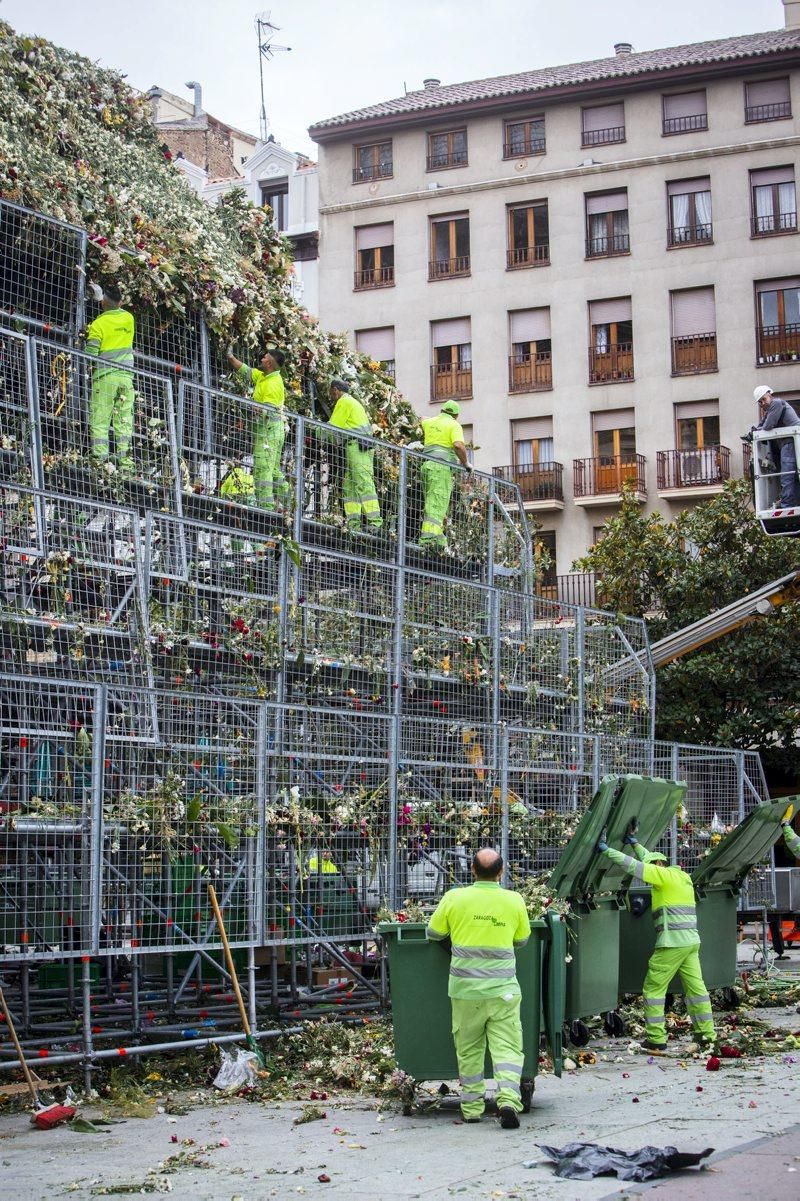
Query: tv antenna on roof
point(266, 50)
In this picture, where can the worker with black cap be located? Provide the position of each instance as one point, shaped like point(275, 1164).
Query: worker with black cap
point(444, 442)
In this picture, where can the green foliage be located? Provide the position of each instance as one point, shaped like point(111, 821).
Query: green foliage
point(741, 690)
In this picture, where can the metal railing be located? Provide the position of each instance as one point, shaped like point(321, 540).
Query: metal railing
point(373, 171)
point(440, 162)
point(693, 354)
point(778, 343)
point(446, 268)
point(687, 124)
point(606, 475)
point(451, 382)
point(530, 372)
point(524, 147)
point(611, 365)
point(373, 277)
point(604, 247)
point(42, 272)
point(689, 235)
point(603, 137)
point(536, 481)
point(574, 588)
point(529, 256)
point(773, 223)
point(768, 112)
point(702, 467)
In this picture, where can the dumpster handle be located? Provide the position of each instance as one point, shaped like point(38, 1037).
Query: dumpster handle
point(422, 942)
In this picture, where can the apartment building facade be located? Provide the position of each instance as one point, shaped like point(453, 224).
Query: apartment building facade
point(599, 261)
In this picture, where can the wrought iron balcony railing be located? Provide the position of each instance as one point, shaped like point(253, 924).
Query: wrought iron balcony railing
point(702, 467)
point(451, 383)
point(530, 372)
point(778, 343)
point(603, 137)
point(373, 277)
point(605, 475)
point(689, 235)
point(529, 256)
point(611, 366)
point(693, 354)
point(686, 124)
point(536, 481)
point(448, 268)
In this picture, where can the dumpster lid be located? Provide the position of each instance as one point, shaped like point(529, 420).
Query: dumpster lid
point(651, 800)
point(740, 850)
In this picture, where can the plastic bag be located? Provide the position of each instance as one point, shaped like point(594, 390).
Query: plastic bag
point(584, 1161)
point(237, 1070)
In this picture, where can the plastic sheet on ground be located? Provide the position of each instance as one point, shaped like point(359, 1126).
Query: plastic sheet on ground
point(584, 1161)
point(237, 1070)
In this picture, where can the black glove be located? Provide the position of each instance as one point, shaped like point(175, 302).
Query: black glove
point(602, 845)
point(748, 437)
point(630, 834)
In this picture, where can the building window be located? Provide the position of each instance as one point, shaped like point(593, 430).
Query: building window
point(603, 124)
point(305, 247)
point(528, 235)
point(611, 349)
point(379, 345)
point(697, 425)
point(534, 469)
point(523, 138)
point(530, 364)
point(778, 313)
point(447, 149)
point(451, 369)
point(374, 256)
point(607, 224)
point(372, 162)
point(689, 203)
point(614, 460)
point(699, 461)
point(449, 246)
point(275, 196)
point(774, 204)
point(684, 112)
point(694, 331)
point(767, 100)
point(544, 560)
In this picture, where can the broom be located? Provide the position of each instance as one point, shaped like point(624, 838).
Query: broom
point(251, 1042)
point(45, 1116)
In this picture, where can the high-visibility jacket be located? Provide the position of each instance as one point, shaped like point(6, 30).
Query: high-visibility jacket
point(350, 414)
point(268, 388)
point(484, 923)
point(440, 433)
point(329, 868)
point(792, 841)
point(110, 340)
point(673, 904)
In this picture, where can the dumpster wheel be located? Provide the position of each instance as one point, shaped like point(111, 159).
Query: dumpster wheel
point(578, 1033)
point(613, 1024)
point(526, 1091)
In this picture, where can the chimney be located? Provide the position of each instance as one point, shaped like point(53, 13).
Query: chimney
point(791, 14)
point(154, 96)
point(623, 48)
point(198, 97)
point(430, 84)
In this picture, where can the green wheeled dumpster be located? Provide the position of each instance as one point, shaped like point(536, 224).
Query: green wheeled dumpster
point(419, 971)
point(717, 881)
point(595, 888)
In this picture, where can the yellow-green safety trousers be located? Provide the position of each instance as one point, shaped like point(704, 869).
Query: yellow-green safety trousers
point(494, 1021)
point(271, 490)
point(437, 484)
point(664, 963)
point(111, 407)
point(358, 487)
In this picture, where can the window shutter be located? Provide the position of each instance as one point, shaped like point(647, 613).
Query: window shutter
point(609, 202)
point(455, 332)
point(530, 325)
point(693, 312)
point(697, 408)
point(368, 237)
point(447, 217)
point(603, 116)
point(682, 187)
point(603, 312)
point(760, 179)
point(685, 104)
point(377, 343)
point(613, 419)
point(777, 285)
point(767, 91)
point(532, 427)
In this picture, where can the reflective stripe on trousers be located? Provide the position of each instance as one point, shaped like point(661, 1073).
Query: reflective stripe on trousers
point(664, 963)
point(437, 484)
point(358, 487)
point(111, 408)
point(494, 1022)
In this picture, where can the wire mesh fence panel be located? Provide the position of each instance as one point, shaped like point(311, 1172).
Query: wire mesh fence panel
point(215, 612)
point(180, 815)
point(540, 668)
point(511, 542)
point(759, 888)
point(618, 687)
point(340, 631)
point(103, 431)
point(449, 517)
point(327, 825)
point(713, 802)
point(16, 420)
point(51, 750)
point(42, 271)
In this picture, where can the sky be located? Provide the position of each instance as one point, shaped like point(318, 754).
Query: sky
point(350, 53)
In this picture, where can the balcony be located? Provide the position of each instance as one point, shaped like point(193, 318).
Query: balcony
point(692, 473)
point(747, 460)
point(373, 171)
point(767, 112)
point(373, 277)
point(441, 162)
point(693, 354)
point(599, 481)
point(773, 223)
point(528, 256)
point(611, 366)
point(603, 248)
point(448, 268)
point(684, 124)
point(524, 148)
point(449, 382)
point(575, 588)
point(541, 484)
point(778, 344)
point(689, 235)
point(530, 373)
point(603, 137)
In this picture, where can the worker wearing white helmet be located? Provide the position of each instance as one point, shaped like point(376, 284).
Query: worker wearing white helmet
point(775, 414)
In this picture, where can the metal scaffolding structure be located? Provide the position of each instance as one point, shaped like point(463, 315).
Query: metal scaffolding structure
point(201, 684)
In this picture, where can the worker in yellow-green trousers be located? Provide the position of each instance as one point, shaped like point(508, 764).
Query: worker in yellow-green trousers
point(269, 483)
point(109, 340)
point(791, 839)
point(358, 485)
point(444, 442)
point(677, 946)
point(485, 923)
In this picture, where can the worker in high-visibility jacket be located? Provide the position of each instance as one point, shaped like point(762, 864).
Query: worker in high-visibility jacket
point(327, 866)
point(484, 923)
point(677, 948)
point(109, 340)
point(444, 441)
point(791, 839)
point(269, 482)
point(360, 497)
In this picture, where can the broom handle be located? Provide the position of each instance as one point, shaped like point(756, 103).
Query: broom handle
point(25, 1069)
point(229, 958)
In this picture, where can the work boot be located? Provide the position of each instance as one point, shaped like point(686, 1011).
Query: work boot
point(650, 1045)
point(509, 1118)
